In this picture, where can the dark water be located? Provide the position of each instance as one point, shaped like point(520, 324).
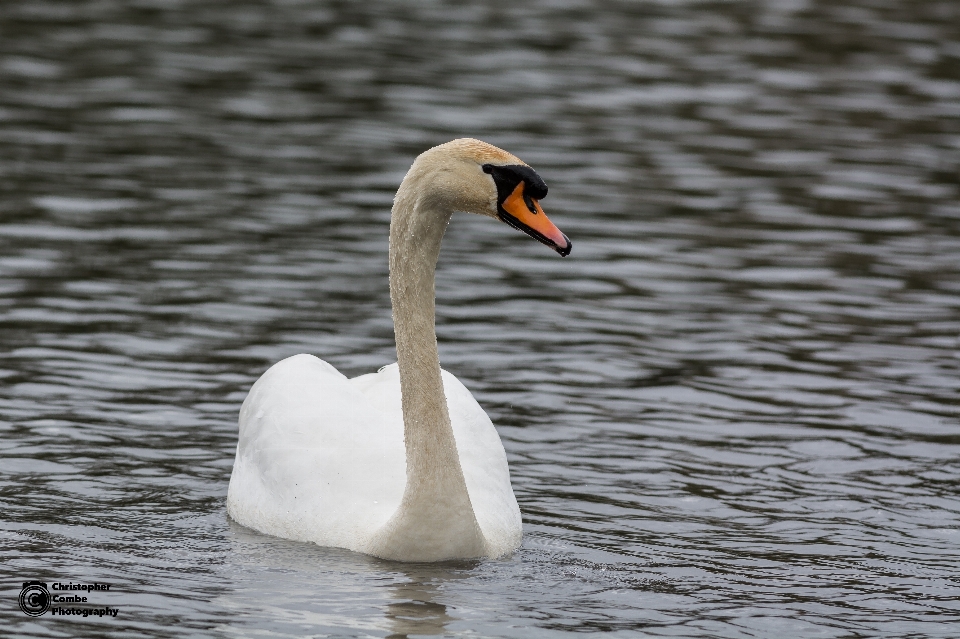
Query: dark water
point(732, 412)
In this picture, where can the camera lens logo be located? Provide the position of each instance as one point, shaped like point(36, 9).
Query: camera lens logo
point(34, 598)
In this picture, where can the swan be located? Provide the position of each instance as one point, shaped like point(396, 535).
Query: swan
point(402, 464)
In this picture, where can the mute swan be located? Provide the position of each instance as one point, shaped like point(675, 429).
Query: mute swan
point(402, 464)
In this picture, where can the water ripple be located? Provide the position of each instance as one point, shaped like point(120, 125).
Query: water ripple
point(732, 412)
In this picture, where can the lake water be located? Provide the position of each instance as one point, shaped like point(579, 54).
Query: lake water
point(731, 412)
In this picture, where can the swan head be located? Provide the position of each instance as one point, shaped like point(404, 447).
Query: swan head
point(475, 177)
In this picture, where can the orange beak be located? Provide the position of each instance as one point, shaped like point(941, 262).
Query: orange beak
point(524, 213)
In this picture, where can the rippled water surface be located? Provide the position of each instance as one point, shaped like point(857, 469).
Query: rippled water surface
point(732, 412)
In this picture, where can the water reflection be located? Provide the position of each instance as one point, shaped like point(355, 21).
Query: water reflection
point(415, 607)
point(297, 584)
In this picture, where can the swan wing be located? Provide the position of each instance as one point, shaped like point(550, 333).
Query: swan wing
point(315, 461)
point(485, 469)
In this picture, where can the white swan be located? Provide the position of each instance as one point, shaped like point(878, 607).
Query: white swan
point(402, 464)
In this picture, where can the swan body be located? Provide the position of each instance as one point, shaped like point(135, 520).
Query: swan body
point(403, 463)
point(312, 491)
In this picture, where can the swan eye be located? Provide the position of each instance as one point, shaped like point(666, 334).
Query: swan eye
point(529, 202)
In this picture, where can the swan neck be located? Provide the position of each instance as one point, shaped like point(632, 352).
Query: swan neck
point(436, 518)
point(414, 250)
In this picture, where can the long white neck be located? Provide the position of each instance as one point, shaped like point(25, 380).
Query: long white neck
point(435, 519)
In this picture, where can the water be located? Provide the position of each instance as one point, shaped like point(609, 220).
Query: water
point(732, 412)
